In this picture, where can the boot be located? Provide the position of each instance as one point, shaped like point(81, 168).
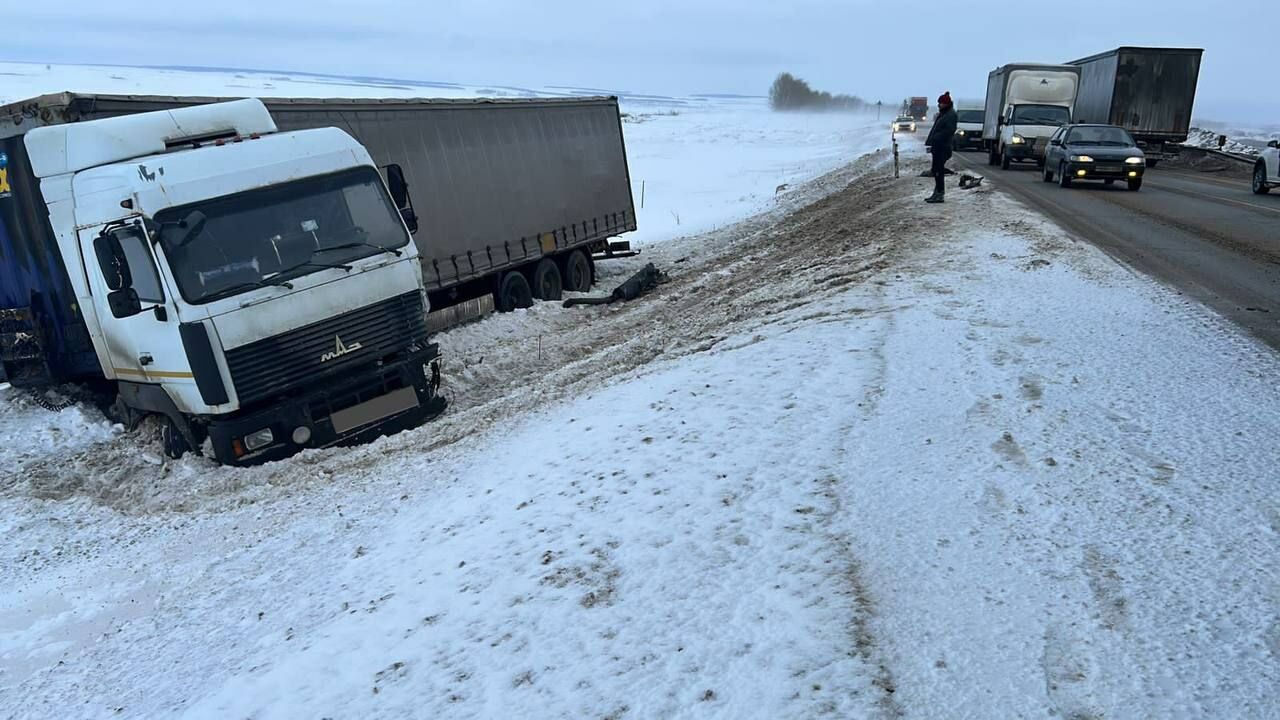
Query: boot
point(936, 197)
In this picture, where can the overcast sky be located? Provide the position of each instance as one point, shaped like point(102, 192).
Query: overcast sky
point(880, 50)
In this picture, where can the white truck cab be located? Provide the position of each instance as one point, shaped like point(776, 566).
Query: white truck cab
point(259, 290)
point(1266, 171)
point(1025, 105)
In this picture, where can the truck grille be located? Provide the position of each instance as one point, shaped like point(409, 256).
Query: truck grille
point(277, 364)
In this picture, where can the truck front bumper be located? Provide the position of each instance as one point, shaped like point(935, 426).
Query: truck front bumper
point(396, 395)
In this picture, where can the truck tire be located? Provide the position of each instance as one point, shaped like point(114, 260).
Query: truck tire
point(546, 281)
point(577, 275)
point(513, 292)
point(993, 158)
point(1064, 179)
point(1004, 159)
point(1260, 186)
point(175, 445)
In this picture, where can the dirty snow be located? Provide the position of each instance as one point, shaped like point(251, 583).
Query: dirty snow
point(859, 458)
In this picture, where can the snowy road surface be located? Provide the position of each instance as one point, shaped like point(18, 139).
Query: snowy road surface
point(861, 457)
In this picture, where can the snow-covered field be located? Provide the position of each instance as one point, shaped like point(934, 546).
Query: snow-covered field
point(861, 457)
point(1240, 141)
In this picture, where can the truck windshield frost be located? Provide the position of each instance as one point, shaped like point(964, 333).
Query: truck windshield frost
point(270, 235)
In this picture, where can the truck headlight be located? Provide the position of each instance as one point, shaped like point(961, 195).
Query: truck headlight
point(1018, 140)
point(1133, 161)
point(258, 440)
point(1081, 158)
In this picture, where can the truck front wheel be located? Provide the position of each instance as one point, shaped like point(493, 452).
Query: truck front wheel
point(1004, 159)
point(172, 440)
point(514, 292)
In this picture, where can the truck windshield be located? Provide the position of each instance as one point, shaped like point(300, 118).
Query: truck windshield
point(969, 116)
point(1041, 115)
point(272, 234)
point(1100, 136)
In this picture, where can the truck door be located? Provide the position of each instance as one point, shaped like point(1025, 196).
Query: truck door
point(139, 327)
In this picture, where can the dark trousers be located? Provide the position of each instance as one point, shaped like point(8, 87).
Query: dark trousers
point(939, 170)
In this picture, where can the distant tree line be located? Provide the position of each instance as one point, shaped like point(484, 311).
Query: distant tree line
point(791, 93)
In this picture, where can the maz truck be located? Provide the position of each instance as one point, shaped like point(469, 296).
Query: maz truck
point(1147, 91)
point(1026, 103)
point(263, 284)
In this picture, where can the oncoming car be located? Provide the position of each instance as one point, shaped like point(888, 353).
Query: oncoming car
point(1093, 152)
point(904, 123)
point(968, 128)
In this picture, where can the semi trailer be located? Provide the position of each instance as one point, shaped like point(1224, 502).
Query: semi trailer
point(1148, 91)
point(261, 300)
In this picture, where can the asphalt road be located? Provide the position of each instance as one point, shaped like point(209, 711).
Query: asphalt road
point(1207, 236)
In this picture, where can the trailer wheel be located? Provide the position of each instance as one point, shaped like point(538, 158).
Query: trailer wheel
point(577, 272)
point(514, 292)
point(547, 284)
point(172, 440)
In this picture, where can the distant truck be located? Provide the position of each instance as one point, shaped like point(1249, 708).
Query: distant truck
point(919, 108)
point(1026, 103)
point(1147, 91)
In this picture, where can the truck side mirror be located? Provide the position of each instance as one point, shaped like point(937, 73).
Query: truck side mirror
point(111, 259)
point(124, 303)
point(397, 186)
point(399, 190)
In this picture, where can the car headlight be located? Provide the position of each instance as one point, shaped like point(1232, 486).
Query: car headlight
point(1018, 140)
point(1133, 161)
point(1081, 158)
point(960, 133)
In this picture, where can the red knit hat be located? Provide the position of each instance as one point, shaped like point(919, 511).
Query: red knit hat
point(945, 99)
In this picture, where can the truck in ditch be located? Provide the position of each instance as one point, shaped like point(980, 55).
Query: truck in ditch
point(1026, 103)
point(1148, 91)
point(262, 284)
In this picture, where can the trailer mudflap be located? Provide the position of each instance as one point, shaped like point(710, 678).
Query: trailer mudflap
point(22, 356)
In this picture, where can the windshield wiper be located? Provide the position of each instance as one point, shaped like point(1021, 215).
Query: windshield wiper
point(348, 246)
point(255, 285)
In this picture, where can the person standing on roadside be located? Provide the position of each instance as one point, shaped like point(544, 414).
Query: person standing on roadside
point(939, 144)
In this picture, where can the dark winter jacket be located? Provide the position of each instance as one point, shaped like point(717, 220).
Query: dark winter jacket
point(943, 133)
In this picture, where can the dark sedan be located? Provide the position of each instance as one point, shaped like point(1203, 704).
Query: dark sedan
point(1093, 152)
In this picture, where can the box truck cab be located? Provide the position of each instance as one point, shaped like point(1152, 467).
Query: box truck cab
point(257, 290)
point(1025, 105)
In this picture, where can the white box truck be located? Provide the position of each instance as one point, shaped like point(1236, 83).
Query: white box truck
point(1026, 103)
